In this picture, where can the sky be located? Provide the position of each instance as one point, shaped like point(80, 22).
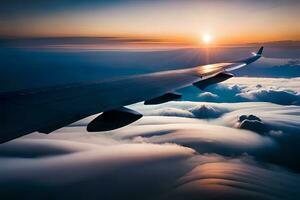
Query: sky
point(227, 22)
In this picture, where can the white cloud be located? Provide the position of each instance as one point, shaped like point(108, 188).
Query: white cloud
point(279, 91)
point(223, 134)
point(177, 150)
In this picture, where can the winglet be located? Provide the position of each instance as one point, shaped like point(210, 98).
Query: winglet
point(260, 51)
point(253, 58)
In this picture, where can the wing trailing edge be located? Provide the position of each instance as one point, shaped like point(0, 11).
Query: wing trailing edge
point(163, 99)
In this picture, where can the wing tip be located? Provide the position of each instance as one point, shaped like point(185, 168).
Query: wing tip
point(260, 51)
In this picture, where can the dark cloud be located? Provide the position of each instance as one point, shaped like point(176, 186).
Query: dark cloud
point(35, 149)
point(253, 123)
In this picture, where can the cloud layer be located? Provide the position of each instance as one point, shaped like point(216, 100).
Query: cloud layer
point(241, 148)
point(279, 91)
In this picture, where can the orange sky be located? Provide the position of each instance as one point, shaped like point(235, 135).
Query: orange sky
point(228, 22)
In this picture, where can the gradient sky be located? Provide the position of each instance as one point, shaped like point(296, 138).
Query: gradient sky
point(229, 21)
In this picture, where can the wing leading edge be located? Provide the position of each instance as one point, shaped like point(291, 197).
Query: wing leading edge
point(48, 109)
point(217, 73)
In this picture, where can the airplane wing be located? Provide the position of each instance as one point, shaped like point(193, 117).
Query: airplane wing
point(47, 109)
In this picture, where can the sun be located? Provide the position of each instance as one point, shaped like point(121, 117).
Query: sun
point(207, 38)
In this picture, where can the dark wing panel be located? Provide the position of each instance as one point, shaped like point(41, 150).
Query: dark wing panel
point(170, 96)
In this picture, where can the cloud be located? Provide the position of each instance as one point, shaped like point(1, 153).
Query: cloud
point(265, 130)
point(198, 111)
point(178, 150)
point(235, 179)
point(172, 112)
point(88, 173)
point(274, 96)
point(127, 169)
point(38, 148)
point(208, 96)
point(279, 91)
point(273, 67)
point(253, 123)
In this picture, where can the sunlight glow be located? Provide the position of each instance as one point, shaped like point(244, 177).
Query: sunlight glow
point(207, 38)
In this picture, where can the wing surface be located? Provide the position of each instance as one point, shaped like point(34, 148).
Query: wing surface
point(48, 109)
